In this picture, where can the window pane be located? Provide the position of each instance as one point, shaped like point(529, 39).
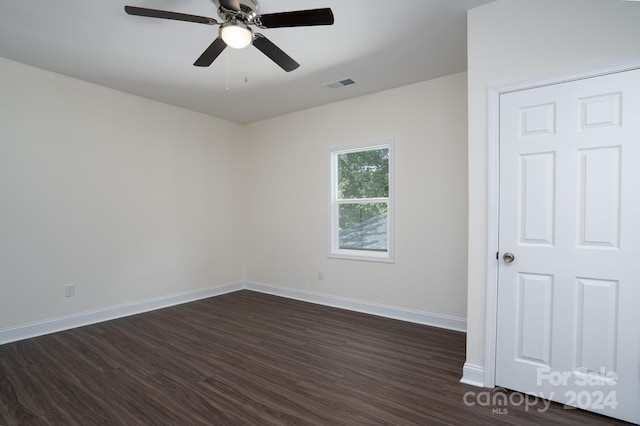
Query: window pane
point(363, 227)
point(363, 174)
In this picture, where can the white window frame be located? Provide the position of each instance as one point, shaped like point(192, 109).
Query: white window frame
point(334, 250)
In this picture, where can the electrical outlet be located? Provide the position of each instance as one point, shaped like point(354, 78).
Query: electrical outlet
point(320, 276)
point(70, 290)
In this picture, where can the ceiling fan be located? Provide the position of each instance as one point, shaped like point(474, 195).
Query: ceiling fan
point(234, 31)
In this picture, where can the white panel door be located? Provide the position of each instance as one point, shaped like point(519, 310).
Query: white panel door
point(569, 302)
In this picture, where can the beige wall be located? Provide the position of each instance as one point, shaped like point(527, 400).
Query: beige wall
point(287, 174)
point(126, 198)
point(516, 40)
point(132, 200)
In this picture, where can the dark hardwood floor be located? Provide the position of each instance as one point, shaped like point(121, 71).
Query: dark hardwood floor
point(252, 359)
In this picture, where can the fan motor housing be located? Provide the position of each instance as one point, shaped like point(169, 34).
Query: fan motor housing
point(247, 7)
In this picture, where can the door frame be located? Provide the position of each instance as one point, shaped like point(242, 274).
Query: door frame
point(493, 187)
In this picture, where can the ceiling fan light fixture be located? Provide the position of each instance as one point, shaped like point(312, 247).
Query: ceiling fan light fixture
point(236, 35)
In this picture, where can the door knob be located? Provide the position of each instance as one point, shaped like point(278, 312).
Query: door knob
point(508, 257)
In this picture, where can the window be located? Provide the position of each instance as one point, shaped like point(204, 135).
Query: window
point(361, 204)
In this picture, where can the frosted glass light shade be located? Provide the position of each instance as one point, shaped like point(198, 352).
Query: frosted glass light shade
point(236, 35)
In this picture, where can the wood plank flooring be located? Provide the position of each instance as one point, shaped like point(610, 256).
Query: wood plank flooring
point(247, 358)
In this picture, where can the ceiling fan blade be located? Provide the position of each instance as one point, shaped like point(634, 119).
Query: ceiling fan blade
point(230, 5)
point(298, 18)
point(154, 13)
point(274, 53)
point(211, 53)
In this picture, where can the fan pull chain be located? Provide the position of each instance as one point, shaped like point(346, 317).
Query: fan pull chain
point(227, 69)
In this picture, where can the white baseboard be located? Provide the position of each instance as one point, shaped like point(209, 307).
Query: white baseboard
point(403, 314)
point(472, 375)
point(54, 325)
point(27, 331)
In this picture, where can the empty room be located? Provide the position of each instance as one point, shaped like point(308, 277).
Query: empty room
point(234, 212)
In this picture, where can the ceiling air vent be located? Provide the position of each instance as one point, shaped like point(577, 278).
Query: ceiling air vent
point(340, 83)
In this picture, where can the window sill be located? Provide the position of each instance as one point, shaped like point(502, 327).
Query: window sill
point(363, 258)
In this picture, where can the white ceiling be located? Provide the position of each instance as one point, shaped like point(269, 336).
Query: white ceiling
point(381, 44)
